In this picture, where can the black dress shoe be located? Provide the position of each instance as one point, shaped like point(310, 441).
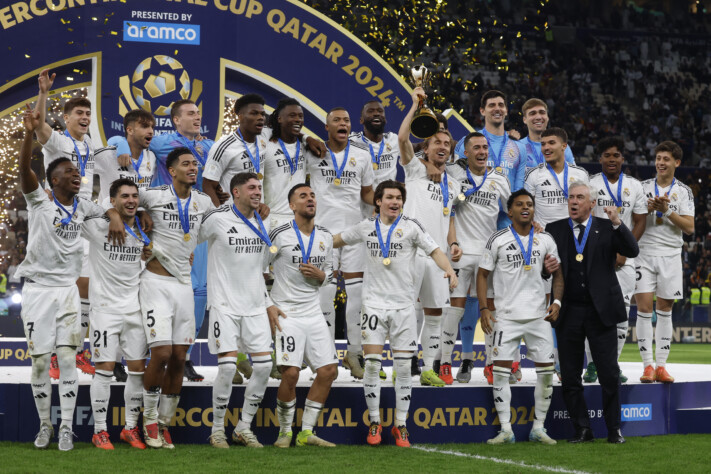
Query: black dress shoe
point(582, 435)
point(615, 437)
point(120, 372)
point(190, 373)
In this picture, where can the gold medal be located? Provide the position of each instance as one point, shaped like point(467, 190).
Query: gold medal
point(84, 179)
point(619, 210)
point(186, 237)
point(579, 257)
point(499, 169)
point(375, 166)
point(273, 249)
point(527, 267)
point(445, 211)
point(337, 181)
point(58, 224)
point(150, 246)
point(386, 261)
point(659, 221)
point(462, 196)
point(260, 176)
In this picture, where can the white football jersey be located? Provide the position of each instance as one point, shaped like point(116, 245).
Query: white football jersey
point(339, 206)
point(169, 245)
point(666, 239)
point(292, 292)
point(115, 269)
point(390, 286)
point(228, 156)
point(425, 201)
point(236, 257)
point(386, 161)
point(631, 193)
point(550, 200)
point(278, 178)
point(475, 217)
point(61, 146)
point(54, 253)
point(108, 169)
point(524, 297)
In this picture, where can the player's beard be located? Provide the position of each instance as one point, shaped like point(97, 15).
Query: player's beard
point(374, 129)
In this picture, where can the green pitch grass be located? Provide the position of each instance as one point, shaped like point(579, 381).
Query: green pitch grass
point(680, 354)
point(680, 453)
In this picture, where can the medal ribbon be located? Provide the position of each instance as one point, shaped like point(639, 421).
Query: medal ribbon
point(580, 246)
point(443, 186)
point(500, 154)
point(201, 159)
point(536, 154)
point(475, 188)
point(373, 157)
point(304, 255)
point(80, 159)
point(656, 192)
point(137, 165)
point(255, 162)
point(184, 216)
point(525, 252)
point(293, 164)
point(565, 178)
point(617, 200)
point(385, 248)
point(67, 219)
point(263, 234)
point(339, 169)
point(144, 238)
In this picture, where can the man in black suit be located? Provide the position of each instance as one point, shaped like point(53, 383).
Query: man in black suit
point(592, 305)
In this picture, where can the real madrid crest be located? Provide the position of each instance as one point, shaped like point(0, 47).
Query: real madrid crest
point(398, 233)
point(322, 246)
point(352, 161)
point(153, 333)
point(535, 241)
point(626, 191)
point(195, 207)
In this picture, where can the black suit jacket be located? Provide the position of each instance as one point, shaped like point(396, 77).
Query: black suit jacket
point(603, 245)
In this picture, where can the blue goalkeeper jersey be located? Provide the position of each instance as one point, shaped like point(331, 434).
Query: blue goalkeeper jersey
point(532, 151)
point(504, 153)
point(162, 145)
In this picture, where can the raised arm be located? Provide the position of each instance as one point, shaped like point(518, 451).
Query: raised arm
point(403, 135)
point(28, 178)
point(45, 81)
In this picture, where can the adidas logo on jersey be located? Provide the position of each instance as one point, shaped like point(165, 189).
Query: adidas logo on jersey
point(169, 206)
point(373, 234)
point(371, 395)
point(323, 164)
point(601, 193)
point(678, 293)
point(233, 230)
point(413, 344)
point(498, 400)
point(297, 248)
point(511, 247)
point(70, 394)
point(546, 183)
point(406, 398)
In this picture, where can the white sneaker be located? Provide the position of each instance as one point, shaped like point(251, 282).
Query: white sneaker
point(502, 438)
point(352, 362)
point(219, 440)
point(165, 438)
point(44, 437)
point(66, 441)
point(246, 438)
point(541, 436)
point(284, 440)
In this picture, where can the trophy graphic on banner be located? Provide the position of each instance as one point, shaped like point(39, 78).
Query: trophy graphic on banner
point(424, 124)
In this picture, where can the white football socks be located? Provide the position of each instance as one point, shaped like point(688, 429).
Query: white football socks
point(371, 385)
point(285, 414)
point(312, 410)
point(430, 340)
point(450, 325)
point(221, 391)
point(254, 392)
point(66, 358)
point(663, 337)
point(100, 391)
point(354, 290)
point(403, 387)
point(542, 394)
point(133, 398)
point(502, 396)
point(42, 386)
point(645, 335)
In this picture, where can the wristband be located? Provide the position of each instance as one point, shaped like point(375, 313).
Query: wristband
point(454, 243)
point(557, 302)
point(482, 309)
point(668, 212)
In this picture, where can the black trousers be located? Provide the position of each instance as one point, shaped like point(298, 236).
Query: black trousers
point(582, 322)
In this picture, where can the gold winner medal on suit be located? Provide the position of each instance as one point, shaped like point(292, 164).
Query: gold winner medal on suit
point(579, 257)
